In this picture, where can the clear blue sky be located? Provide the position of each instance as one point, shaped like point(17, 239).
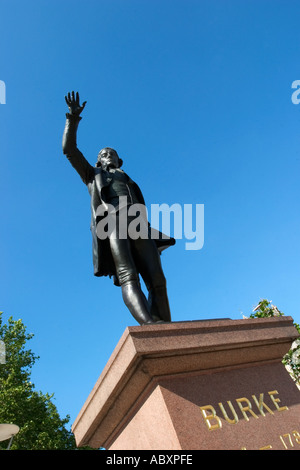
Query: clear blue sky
point(195, 95)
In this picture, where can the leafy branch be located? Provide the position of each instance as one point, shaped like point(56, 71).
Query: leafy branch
point(291, 360)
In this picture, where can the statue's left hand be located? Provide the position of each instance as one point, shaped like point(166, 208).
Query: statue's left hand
point(73, 103)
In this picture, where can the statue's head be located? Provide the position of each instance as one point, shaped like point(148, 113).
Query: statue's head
point(108, 158)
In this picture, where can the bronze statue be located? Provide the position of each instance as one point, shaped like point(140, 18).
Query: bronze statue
point(122, 258)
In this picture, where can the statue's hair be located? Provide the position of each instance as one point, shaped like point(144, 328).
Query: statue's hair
point(98, 164)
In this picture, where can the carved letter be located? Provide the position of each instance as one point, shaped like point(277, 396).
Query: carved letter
point(212, 416)
point(260, 404)
point(235, 416)
point(245, 408)
point(276, 400)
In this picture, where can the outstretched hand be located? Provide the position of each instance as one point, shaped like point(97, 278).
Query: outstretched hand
point(73, 103)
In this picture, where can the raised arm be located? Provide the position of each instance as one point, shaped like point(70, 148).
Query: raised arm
point(69, 141)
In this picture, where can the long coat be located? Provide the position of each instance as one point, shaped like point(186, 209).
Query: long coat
point(96, 180)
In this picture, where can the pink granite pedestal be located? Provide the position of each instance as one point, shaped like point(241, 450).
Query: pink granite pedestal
point(211, 384)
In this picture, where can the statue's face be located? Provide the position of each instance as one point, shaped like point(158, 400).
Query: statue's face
point(109, 158)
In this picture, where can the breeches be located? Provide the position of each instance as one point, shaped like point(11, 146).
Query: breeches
point(132, 257)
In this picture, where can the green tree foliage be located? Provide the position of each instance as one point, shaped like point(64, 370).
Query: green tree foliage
point(41, 427)
point(292, 359)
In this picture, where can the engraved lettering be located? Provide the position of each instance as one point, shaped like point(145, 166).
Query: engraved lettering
point(288, 440)
point(287, 435)
point(213, 421)
point(235, 416)
point(276, 401)
point(211, 417)
point(260, 404)
point(296, 436)
point(245, 409)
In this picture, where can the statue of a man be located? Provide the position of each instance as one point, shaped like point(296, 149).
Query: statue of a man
point(123, 258)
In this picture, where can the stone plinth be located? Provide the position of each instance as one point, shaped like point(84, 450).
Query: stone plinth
point(211, 384)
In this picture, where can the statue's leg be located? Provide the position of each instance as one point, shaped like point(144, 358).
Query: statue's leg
point(148, 263)
point(159, 303)
point(128, 278)
point(136, 302)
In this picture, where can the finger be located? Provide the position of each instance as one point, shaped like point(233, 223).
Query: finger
point(67, 101)
point(69, 97)
point(77, 98)
point(83, 104)
point(73, 96)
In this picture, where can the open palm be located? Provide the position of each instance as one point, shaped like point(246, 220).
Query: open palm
point(73, 103)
